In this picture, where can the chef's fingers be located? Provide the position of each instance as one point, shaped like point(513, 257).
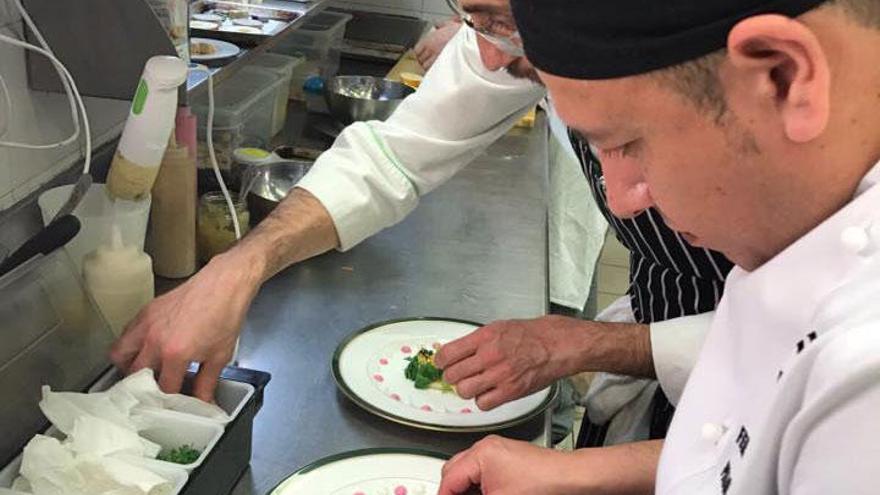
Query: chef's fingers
point(430, 62)
point(174, 368)
point(206, 379)
point(494, 398)
point(465, 368)
point(147, 358)
point(461, 476)
point(482, 383)
point(459, 349)
point(128, 346)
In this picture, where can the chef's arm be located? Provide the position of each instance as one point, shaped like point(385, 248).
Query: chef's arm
point(664, 350)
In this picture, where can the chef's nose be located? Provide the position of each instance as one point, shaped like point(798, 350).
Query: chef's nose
point(494, 58)
point(625, 188)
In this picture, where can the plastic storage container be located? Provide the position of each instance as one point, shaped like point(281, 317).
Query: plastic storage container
point(283, 65)
point(320, 40)
point(244, 106)
point(96, 212)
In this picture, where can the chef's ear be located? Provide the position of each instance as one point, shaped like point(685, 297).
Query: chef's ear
point(779, 61)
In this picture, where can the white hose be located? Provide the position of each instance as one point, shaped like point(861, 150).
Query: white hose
point(210, 141)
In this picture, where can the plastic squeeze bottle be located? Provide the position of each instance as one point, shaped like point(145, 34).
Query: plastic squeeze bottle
point(120, 279)
point(147, 129)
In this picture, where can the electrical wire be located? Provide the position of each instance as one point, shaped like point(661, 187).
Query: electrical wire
point(210, 141)
point(73, 95)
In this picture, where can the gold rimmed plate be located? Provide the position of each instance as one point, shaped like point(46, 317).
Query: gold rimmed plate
point(368, 367)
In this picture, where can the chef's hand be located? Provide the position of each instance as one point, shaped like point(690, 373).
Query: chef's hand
point(429, 47)
point(198, 321)
point(499, 466)
point(509, 359)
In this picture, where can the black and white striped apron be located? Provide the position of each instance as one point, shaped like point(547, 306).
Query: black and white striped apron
point(669, 278)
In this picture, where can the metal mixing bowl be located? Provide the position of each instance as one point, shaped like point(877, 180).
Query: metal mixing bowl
point(355, 98)
point(270, 183)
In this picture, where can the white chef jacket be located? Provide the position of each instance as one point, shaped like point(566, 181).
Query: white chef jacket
point(375, 173)
point(785, 396)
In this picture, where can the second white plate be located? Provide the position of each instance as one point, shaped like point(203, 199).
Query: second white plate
point(369, 368)
point(223, 49)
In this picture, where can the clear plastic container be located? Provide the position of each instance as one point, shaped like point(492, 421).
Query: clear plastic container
point(244, 104)
point(320, 40)
point(283, 66)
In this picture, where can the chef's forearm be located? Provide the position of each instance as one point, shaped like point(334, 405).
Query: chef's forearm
point(299, 228)
point(623, 348)
point(626, 469)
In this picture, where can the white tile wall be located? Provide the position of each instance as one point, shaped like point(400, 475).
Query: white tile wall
point(38, 117)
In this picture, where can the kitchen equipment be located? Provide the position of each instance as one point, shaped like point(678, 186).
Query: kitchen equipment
point(391, 471)
point(369, 367)
point(270, 183)
point(120, 279)
point(80, 188)
point(319, 39)
point(214, 230)
point(172, 236)
point(51, 237)
point(220, 50)
point(97, 212)
point(356, 98)
point(244, 105)
point(284, 66)
point(145, 136)
point(174, 14)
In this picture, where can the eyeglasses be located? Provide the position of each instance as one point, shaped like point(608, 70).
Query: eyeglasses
point(509, 43)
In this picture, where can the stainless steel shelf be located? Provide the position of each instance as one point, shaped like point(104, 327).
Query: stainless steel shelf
point(195, 83)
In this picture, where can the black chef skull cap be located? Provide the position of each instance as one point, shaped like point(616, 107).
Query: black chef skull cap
point(606, 39)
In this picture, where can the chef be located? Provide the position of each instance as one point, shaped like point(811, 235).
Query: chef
point(761, 140)
point(374, 175)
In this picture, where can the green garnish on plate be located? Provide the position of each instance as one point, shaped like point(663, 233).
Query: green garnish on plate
point(424, 374)
point(184, 454)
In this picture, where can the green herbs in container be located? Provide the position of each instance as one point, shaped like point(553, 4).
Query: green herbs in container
point(185, 454)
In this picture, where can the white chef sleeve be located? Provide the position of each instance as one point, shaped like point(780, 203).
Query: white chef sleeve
point(675, 346)
point(833, 443)
point(375, 173)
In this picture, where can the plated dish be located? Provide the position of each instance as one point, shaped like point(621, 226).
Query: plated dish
point(205, 49)
point(386, 471)
point(374, 368)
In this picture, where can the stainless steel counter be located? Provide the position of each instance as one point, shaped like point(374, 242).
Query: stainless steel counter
point(474, 249)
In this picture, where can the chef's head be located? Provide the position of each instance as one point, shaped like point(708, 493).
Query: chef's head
point(500, 44)
point(746, 123)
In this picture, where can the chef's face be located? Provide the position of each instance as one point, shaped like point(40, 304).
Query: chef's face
point(670, 156)
point(495, 18)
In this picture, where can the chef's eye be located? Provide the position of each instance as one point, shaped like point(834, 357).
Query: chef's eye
point(624, 151)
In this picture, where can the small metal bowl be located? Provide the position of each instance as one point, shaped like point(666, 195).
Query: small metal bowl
point(358, 98)
point(270, 183)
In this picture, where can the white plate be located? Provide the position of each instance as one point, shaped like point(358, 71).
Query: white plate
point(369, 368)
point(224, 49)
point(208, 17)
point(387, 471)
point(204, 25)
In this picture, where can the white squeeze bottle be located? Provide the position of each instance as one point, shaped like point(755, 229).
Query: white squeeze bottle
point(147, 129)
point(120, 279)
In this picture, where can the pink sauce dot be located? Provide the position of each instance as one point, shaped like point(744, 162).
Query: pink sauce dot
point(400, 490)
point(359, 493)
point(379, 378)
point(426, 408)
point(406, 349)
point(383, 361)
point(466, 410)
point(395, 396)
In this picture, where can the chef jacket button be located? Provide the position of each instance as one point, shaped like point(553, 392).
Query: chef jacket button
point(856, 240)
point(712, 432)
